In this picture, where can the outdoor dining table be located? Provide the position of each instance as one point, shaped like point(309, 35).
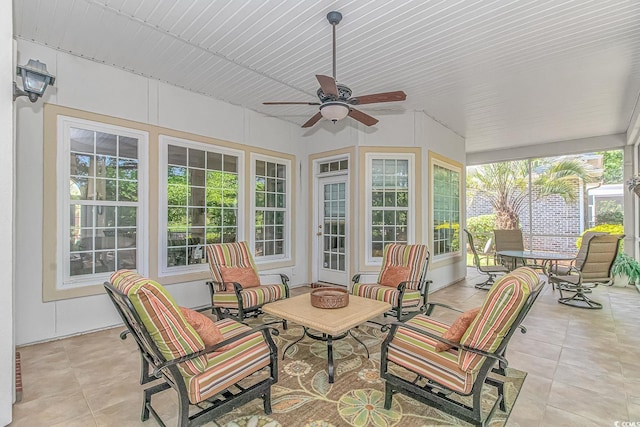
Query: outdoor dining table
point(548, 259)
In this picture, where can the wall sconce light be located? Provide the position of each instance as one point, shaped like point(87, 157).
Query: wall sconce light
point(35, 80)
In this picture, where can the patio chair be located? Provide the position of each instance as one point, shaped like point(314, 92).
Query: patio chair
point(560, 269)
point(236, 290)
point(492, 271)
point(212, 379)
point(595, 270)
point(508, 240)
point(402, 280)
point(411, 365)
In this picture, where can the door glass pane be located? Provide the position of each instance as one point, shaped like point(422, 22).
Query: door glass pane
point(334, 226)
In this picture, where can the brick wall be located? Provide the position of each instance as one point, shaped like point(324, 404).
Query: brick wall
point(555, 224)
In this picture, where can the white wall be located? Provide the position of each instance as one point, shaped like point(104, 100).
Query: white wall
point(400, 130)
point(6, 213)
point(98, 88)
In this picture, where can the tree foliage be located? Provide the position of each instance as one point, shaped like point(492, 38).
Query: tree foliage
point(609, 212)
point(481, 228)
point(505, 185)
point(612, 164)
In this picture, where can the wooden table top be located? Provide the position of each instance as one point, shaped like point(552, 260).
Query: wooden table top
point(332, 321)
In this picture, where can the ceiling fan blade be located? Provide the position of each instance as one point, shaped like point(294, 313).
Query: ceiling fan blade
point(291, 103)
point(328, 85)
point(362, 117)
point(313, 120)
point(379, 97)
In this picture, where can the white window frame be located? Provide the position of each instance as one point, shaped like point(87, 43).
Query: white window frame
point(165, 141)
point(435, 160)
point(411, 232)
point(288, 209)
point(63, 164)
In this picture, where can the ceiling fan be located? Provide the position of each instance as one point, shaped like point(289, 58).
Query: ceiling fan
point(336, 101)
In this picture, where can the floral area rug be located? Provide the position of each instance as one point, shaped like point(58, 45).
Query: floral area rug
point(303, 396)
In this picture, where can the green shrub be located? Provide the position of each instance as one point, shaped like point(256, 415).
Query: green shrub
point(481, 227)
point(609, 212)
point(606, 228)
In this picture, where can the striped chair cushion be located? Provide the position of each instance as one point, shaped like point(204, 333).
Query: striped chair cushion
point(234, 255)
point(417, 353)
point(241, 359)
point(386, 294)
point(251, 297)
point(414, 256)
point(498, 312)
point(160, 314)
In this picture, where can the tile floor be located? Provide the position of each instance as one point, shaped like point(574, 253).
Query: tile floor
point(583, 365)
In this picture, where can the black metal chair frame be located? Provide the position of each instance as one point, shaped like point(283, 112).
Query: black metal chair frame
point(154, 366)
point(437, 395)
point(396, 311)
point(241, 312)
point(492, 273)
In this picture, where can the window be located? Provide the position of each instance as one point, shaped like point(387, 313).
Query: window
point(271, 200)
point(446, 190)
point(102, 209)
point(334, 166)
point(389, 202)
point(201, 197)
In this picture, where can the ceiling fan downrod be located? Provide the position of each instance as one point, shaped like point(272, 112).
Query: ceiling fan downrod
point(334, 19)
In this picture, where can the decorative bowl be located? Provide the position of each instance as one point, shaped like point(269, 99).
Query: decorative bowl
point(329, 298)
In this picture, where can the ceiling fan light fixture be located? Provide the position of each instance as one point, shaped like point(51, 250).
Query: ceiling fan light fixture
point(334, 110)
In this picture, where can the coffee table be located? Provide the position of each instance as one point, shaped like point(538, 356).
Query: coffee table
point(333, 324)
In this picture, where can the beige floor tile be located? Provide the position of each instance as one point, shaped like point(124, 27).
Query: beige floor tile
point(50, 410)
point(527, 412)
point(595, 342)
point(121, 414)
point(128, 412)
point(543, 334)
point(561, 417)
point(606, 380)
point(127, 390)
point(525, 344)
point(597, 407)
point(634, 412)
point(32, 360)
point(532, 364)
point(85, 421)
point(586, 359)
point(43, 382)
point(536, 388)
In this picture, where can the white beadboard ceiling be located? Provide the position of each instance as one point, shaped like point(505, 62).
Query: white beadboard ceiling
point(501, 73)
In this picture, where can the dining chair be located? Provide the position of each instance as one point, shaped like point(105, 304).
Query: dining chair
point(491, 271)
point(595, 270)
point(508, 240)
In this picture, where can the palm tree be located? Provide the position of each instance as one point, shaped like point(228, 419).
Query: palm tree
point(505, 184)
